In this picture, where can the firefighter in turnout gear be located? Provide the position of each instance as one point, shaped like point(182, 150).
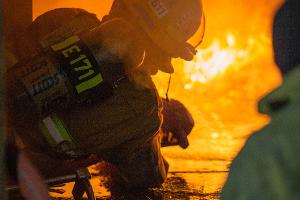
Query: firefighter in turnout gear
point(84, 86)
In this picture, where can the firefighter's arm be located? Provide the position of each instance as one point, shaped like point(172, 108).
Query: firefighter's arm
point(177, 120)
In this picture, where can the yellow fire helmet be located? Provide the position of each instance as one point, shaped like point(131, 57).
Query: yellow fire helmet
point(176, 26)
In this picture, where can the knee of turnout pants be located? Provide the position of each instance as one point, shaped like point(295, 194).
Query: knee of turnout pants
point(146, 168)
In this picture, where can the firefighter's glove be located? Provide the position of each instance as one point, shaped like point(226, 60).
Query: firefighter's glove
point(177, 120)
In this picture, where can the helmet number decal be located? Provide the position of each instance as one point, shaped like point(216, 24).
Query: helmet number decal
point(158, 8)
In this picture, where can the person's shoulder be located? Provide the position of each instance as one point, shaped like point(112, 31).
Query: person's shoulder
point(283, 106)
point(288, 9)
point(284, 95)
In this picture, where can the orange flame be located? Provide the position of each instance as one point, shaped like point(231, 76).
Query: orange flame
point(214, 60)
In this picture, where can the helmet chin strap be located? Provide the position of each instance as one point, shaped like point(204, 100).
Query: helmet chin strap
point(187, 52)
point(167, 92)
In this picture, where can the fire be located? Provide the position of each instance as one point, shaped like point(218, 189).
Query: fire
point(214, 60)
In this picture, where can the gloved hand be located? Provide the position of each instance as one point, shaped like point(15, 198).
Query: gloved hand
point(177, 120)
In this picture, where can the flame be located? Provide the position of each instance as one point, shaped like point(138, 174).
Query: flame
point(214, 60)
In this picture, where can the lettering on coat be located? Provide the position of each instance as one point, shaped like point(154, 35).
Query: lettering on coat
point(78, 63)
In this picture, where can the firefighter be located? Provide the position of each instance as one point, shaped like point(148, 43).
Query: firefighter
point(268, 165)
point(117, 113)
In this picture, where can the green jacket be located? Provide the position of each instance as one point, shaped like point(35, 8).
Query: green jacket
point(268, 167)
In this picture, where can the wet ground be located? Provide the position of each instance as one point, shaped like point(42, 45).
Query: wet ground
point(186, 184)
point(194, 174)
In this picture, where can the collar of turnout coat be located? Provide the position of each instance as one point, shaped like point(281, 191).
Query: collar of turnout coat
point(288, 93)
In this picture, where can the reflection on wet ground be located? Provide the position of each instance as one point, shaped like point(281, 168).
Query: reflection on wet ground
point(188, 178)
point(179, 185)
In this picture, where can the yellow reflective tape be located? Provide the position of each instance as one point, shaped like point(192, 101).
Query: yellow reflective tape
point(61, 128)
point(68, 42)
point(85, 67)
point(54, 131)
point(93, 82)
point(90, 72)
point(47, 134)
